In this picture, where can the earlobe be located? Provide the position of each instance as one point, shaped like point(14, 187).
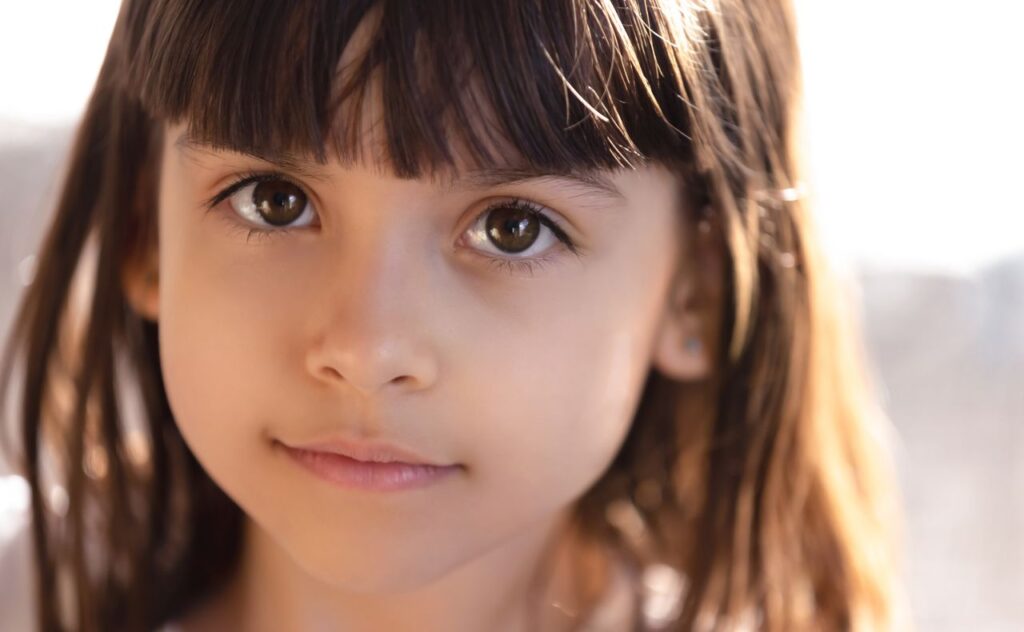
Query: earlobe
point(141, 284)
point(680, 351)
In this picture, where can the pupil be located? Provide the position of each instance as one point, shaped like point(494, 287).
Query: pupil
point(511, 229)
point(279, 202)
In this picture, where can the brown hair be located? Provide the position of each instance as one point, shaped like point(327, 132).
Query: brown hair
point(765, 486)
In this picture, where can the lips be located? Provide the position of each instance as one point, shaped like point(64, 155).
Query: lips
point(368, 465)
point(368, 451)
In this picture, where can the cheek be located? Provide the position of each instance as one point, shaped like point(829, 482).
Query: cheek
point(556, 385)
point(549, 425)
point(221, 330)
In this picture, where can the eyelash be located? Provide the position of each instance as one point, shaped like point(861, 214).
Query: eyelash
point(510, 265)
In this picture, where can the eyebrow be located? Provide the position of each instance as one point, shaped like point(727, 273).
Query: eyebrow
point(284, 160)
point(589, 181)
point(592, 182)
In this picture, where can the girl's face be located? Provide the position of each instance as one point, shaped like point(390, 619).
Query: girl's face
point(450, 317)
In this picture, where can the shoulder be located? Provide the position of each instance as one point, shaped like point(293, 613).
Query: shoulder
point(16, 596)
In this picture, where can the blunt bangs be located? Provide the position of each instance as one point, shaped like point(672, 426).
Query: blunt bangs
point(557, 86)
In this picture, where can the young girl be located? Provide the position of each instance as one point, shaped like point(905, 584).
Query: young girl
point(482, 316)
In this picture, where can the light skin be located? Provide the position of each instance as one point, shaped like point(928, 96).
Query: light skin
point(386, 316)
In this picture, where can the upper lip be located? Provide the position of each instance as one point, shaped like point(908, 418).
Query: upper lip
point(368, 451)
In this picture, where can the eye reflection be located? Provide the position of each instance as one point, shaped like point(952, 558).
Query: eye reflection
point(512, 229)
point(279, 202)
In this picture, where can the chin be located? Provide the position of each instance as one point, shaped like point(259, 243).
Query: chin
point(380, 568)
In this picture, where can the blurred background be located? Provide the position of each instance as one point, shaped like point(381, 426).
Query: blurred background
point(914, 129)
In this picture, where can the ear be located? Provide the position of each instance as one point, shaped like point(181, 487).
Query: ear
point(687, 339)
point(140, 277)
point(682, 349)
point(140, 281)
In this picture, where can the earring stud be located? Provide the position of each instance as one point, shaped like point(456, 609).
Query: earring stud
point(693, 344)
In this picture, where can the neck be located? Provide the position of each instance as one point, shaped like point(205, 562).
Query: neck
point(503, 590)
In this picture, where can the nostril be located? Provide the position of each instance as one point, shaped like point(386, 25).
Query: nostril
point(371, 369)
point(331, 373)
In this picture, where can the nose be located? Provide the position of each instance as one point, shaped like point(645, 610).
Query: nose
point(372, 366)
point(371, 330)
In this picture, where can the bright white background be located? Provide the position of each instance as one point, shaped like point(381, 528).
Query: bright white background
point(915, 124)
point(914, 117)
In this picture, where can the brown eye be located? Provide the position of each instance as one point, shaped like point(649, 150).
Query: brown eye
point(512, 229)
point(279, 202)
point(272, 201)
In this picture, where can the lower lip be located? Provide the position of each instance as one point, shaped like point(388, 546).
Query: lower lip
point(382, 477)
